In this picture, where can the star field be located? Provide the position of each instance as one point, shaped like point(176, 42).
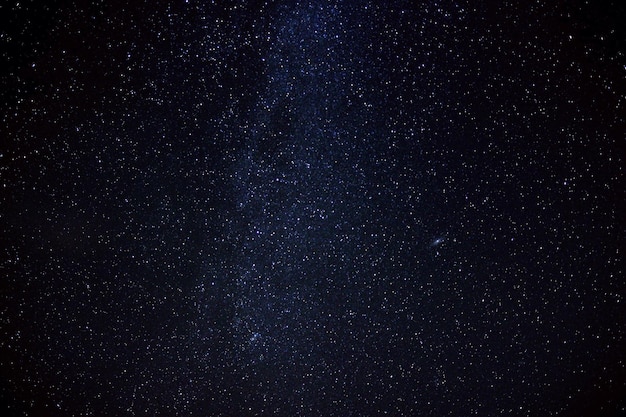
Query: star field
point(308, 208)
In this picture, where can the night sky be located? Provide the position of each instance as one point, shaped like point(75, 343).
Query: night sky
point(312, 208)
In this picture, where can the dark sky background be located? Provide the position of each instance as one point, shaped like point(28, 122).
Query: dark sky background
point(312, 208)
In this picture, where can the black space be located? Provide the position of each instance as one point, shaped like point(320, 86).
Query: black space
point(312, 208)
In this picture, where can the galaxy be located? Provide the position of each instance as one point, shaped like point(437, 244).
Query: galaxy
point(312, 208)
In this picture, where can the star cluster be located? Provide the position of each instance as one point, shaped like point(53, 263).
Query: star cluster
point(307, 208)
